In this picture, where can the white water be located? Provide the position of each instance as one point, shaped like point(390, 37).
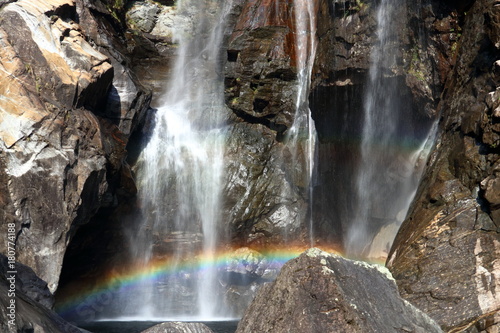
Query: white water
point(301, 138)
point(390, 165)
point(179, 171)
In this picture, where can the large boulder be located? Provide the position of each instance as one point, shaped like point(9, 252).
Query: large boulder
point(321, 292)
point(445, 256)
point(28, 283)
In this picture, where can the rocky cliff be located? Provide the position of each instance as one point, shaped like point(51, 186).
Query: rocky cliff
point(68, 107)
point(445, 257)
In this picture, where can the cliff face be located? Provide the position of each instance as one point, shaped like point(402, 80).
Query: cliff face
point(445, 257)
point(68, 106)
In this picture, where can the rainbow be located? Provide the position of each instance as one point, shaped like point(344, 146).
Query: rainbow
point(91, 300)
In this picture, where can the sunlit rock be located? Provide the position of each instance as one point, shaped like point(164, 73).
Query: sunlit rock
point(322, 292)
point(55, 152)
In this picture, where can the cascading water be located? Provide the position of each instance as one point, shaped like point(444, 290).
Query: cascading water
point(387, 176)
point(179, 173)
point(301, 138)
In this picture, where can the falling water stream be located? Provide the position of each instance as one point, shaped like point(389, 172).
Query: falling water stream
point(301, 138)
point(179, 172)
point(387, 177)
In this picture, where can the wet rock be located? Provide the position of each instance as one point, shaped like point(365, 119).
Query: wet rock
point(243, 273)
point(179, 327)
point(345, 31)
point(248, 262)
point(265, 187)
point(445, 255)
point(261, 203)
point(321, 292)
point(261, 74)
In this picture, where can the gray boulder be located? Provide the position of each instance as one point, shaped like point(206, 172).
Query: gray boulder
point(322, 292)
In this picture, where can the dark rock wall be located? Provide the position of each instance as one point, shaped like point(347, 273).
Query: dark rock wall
point(346, 33)
point(265, 201)
point(445, 255)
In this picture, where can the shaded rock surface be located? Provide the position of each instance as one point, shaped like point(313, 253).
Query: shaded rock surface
point(28, 283)
point(179, 327)
point(25, 314)
point(321, 292)
point(346, 35)
point(445, 257)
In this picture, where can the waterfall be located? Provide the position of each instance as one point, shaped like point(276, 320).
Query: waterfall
point(392, 151)
point(179, 173)
point(301, 138)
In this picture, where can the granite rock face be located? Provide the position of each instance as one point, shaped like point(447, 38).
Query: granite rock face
point(320, 292)
point(261, 202)
point(61, 156)
point(425, 40)
point(445, 257)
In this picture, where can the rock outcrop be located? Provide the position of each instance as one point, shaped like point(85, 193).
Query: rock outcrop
point(445, 257)
point(22, 313)
point(28, 283)
point(321, 292)
point(67, 109)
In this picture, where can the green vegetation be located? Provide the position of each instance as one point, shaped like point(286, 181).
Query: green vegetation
point(115, 8)
point(416, 65)
point(360, 5)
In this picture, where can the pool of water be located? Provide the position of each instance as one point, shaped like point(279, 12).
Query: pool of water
point(139, 326)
